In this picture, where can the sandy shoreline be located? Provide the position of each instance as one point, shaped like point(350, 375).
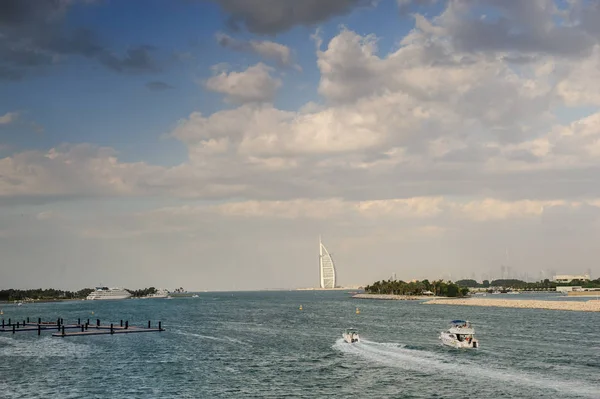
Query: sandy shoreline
point(578, 306)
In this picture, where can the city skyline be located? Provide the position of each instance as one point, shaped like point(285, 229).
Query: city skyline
point(207, 143)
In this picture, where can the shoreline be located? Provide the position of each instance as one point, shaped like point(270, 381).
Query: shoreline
point(576, 306)
point(390, 297)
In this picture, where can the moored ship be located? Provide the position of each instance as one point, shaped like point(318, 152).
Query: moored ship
point(105, 293)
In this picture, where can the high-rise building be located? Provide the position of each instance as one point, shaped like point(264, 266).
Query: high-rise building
point(326, 267)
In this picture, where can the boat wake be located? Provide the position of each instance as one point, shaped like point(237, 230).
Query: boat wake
point(446, 365)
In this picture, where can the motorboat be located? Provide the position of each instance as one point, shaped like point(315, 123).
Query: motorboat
point(459, 335)
point(351, 336)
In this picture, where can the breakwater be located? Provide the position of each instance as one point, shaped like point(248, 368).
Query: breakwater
point(389, 297)
point(579, 306)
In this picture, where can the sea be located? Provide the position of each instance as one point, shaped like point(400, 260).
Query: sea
point(262, 345)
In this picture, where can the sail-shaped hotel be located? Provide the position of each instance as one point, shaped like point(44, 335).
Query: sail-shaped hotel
point(326, 267)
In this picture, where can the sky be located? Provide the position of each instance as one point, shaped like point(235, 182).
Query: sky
point(208, 143)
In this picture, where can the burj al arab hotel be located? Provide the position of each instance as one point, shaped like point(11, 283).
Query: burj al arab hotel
point(326, 267)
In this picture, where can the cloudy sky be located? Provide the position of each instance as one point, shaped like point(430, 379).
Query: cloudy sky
point(208, 143)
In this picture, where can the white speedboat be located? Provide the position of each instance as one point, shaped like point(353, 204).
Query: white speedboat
point(351, 336)
point(105, 293)
point(460, 335)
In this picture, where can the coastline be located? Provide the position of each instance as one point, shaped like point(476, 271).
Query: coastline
point(577, 306)
point(390, 297)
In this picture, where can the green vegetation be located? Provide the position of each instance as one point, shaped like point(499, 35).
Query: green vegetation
point(142, 292)
point(399, 287)
point(40, 294)
point(546, 284)
point(52, 294)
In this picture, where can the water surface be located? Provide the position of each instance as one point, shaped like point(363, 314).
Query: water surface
point(259, 344)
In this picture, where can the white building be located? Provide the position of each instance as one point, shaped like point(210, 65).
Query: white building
point(326, 267)
point(568, 289)
point(567, 278)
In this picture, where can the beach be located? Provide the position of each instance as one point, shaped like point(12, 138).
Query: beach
point(579, 306)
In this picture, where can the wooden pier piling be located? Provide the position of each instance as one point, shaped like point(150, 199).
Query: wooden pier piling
point(64, 329)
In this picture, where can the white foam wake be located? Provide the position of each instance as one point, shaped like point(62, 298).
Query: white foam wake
point(446, 365)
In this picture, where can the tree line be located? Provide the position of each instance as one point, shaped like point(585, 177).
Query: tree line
point(42, 294)
point(399, 287)
point(142, 292)
point(523, 285)
point(52, 294)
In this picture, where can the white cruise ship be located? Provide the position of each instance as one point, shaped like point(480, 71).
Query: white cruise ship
point(105, 293)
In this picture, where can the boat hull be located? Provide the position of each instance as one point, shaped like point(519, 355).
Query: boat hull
point(108, 298)
point(351, 339)
point(452, 341)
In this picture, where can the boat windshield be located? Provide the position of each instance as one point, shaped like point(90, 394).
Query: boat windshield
point(461, 323)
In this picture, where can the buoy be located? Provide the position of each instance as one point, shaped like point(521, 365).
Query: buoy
point(357, 311)
point(1, 311)
point(300, 307)
point(92, 312)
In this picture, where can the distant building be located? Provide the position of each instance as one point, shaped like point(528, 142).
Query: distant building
point(326, 268)
point(567, 278)
point(568, 289)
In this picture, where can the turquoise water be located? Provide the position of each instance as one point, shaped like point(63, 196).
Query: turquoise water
point(259, 344)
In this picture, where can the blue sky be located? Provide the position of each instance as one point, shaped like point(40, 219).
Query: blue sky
point(77, 100)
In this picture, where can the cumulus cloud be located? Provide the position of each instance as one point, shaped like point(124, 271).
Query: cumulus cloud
point(539, 27)
point(275, 16)
point(9, 118)
point(278, 53)
point(424, 120)
point(255, 84)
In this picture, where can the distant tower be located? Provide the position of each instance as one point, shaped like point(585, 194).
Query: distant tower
point(326, 267)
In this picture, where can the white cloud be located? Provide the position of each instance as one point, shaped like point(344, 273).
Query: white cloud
point(9, 118)
point(276, 52)
point(422, 120)
point(255, 84)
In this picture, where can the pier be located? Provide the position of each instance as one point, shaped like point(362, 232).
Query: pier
point(62, 329)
